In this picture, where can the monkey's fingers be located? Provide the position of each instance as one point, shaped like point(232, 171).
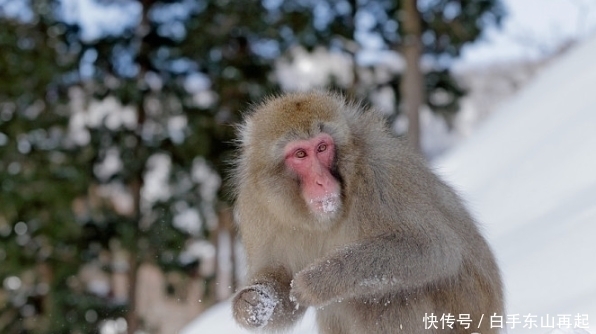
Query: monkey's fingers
point(254, 306)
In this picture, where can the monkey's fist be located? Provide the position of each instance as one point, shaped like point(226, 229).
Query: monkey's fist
point(254, 305)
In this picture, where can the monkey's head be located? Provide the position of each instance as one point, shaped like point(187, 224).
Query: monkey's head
point(291, 150)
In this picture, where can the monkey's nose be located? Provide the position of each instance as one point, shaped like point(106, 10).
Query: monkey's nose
point(318, 173)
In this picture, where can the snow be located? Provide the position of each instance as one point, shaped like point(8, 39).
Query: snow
point(327, 204)
point(529, 175)
point(218, 319)
point(527, 33)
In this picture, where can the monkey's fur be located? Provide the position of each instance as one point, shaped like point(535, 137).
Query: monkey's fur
point(400, 247)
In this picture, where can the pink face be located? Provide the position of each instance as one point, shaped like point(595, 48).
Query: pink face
point(311, 160)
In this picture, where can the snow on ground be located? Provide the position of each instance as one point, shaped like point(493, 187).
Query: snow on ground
point(218, 320)
point(529, 176)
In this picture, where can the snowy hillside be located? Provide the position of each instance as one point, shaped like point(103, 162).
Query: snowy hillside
point(529, 176)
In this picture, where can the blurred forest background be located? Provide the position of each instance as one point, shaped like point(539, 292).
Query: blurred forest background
point(114, 141)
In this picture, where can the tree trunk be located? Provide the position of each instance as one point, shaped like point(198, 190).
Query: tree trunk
point(132, 317)
point(412, 83)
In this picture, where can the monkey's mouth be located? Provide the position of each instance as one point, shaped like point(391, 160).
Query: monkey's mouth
point(328, 205)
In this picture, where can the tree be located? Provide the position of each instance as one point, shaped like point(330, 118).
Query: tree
point(412, 83)
point(438, 30)
point(428, 35)
point(40, 174)
point(87, 120)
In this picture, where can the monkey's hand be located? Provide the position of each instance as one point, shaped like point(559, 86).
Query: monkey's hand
point(253, 306)
point(266, 302)
point(315, 286)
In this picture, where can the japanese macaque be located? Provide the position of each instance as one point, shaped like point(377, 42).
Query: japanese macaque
point(338, 214)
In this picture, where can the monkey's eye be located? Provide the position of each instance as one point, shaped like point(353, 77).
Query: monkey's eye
point(300, 154)
point(322, 147)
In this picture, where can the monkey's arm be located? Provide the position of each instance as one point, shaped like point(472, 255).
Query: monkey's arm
point(388, 263)
point(265, 303)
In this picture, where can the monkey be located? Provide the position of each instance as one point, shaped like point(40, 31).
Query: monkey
point(337, 213)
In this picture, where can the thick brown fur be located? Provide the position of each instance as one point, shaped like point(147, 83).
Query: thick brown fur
point(403, 246)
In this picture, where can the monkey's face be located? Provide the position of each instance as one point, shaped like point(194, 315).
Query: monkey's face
point(311, 161)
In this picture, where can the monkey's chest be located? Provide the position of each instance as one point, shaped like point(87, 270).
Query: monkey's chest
point(299, 250)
